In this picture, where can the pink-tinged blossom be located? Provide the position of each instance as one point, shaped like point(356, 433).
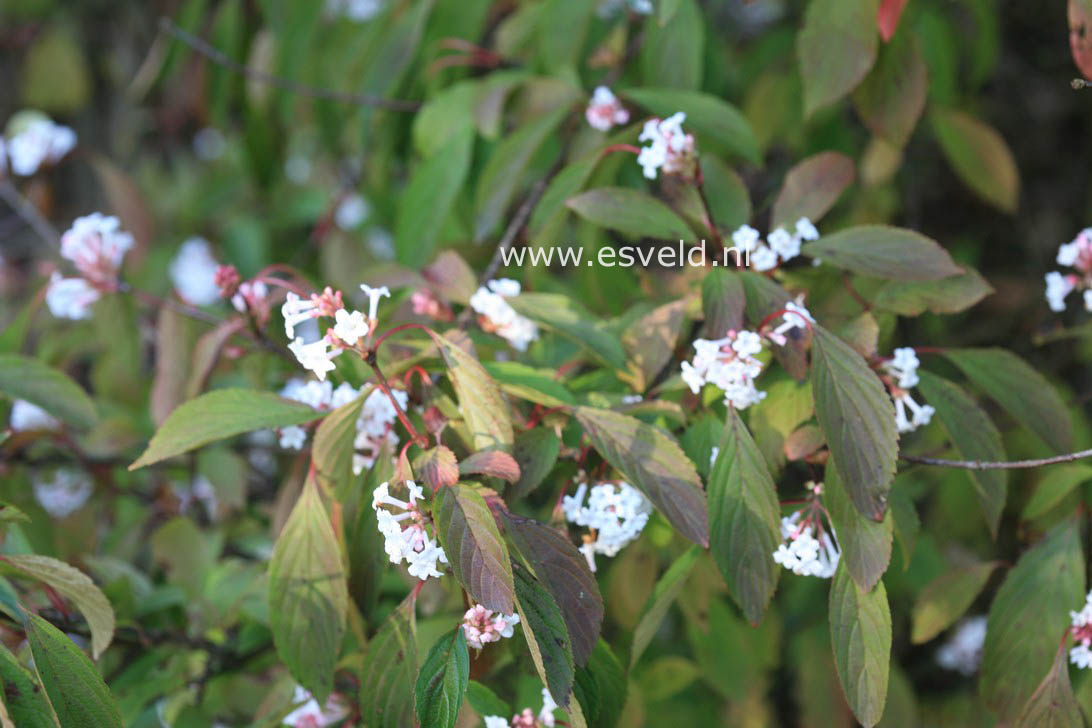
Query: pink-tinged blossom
point(70, 298)
point(808, 547)
point(605, 110)
point(729, 364)
point(251, 297)
point(669, 147)
point(406, 536)
point(375, 427)
point(527, 717)
point(309, 714)
point(193, 273)
point(1081, 630)
point(482, 626)
point(1076, 254)
point(96, 245)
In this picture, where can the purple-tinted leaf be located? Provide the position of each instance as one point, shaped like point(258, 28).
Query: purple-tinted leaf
point(474, 546)
point(884, 252)
point(812, 187)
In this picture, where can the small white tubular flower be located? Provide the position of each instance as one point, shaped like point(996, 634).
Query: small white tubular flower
point(546, 715)
point(70, 298)
point(763, 258)
point(795, 317)
point(499, 317)
point(615, 514)
point(728, 363)
point(96, 246)
point(411, 544)
point(40, 142)
point(920, 414)
point(27, 417)
point(1081, 630)
point(64, 493)
point(904, 365)
point(375, 427)
point(308, 391)
point(295, 311)
point(1058, 286)
point(315, 357)
point(807, 549)
point(193, 273)
point(310, 714)
point(670, 148)
point(351, 212)
point(350, 326)
point(496, 721)
point(374, 294)
point(605, 110)
point(963, 650)
point(481, 626)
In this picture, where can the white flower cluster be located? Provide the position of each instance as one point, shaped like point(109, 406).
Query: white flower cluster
point(499, 317)
point(64, 493)
point(193, 273)
point(1081, 653)
point(615, 514)
point(904, 367)
point(728, 363)
point(321, 396)
point(28, 417)
point(610, 8)
point(481, 626)
point(34, 144)
point(310, 714)
point(605, 110)
point(356, 10)
point(411, 543)
point(670, 148)
point(527, 718)
point(963, 650)
point(779, 247)
point(808, 549)
point(1076, 254)
point(348, 328)
point(250, 298)
point(95, 245)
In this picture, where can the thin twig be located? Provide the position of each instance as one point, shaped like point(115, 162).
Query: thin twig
point(370, 358)
point(522, 215)
point(216, 56)
point(994, 465)
point(25, 209)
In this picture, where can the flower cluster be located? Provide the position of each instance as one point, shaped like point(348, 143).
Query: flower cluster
point(349, 326)
point(64, 493)
point(1081, 653)
point(1076, 254)
point(95, 245)
point(310, 714)
point(605, 110)
point(610, 8)
point(28, 417)
point(193, 273)
point(963, 650)
point(670, 148)
point(497, 315)
point(411, 543)
point(615, 515)
point(527, 718)
point(321, 396)
point(481, 626)
point(903, 367)
point(779, 247)
point(375, 427)
point(35, 143)
point(808, 548)
point(728, 363)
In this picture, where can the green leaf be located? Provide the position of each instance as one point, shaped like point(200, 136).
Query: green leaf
point(979, 156)
point(744, 519)
point(474, 547)
point(26, 705)
point(480, 402)
point(650, 341)
point(332, 451)
point(484, 701)
point(24, 378)
point(390, 671)
point(534, 385)
point(443, 117)
point(947, 295)
point(308, 598)
point(905, 516)
point(569, 319)
point(722, 301)
point(442, 681)
point(564, 573)
point(860, 633)
point(946, 598)
point(714, 119)
point(812, 187)
point(610, 684)
point(74, 687)
point(561, 32)
point(974, 437)
point(652, 461)
point(1021, 390)
point(891, 99)
point(672, 53)
point(546, 634)
point(858, 420)
point(220, 414)
point(631, 212)
point(729, 198)
point(884, 252)
point(1058, 482)
point(663, 596)
point(1053, 704)
point(565, 184)
point(865, 544)
point(536, 451)
point(75, 585)
point(837, 48)
point(429, 198)
point(1028, 617)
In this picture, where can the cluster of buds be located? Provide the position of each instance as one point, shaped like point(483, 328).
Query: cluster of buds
point(482, 626)
point(1076, 254)
point(615, 515)
point(903, 368)
point(309, 714)
point(425, 303)
point(193, 272)
point(497, 315)
point(779, 247)
point(527, 717)
point(670, 148)
point(1081, 630)
point(35, 141)
point(405, 534)
point(605, 110)
point(808, 548)
point(963, 650)
point(349, 326)
point(95, 245)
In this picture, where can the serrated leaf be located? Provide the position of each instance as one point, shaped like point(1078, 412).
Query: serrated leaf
point(480, 402)
point(663, 595)
point(610, 683)
point(220, 414)
point(1053, 704)
point(24, 378)
point(564, 573)
point(332, 451)
point(568, 318)
point(891, 99)
point(493, 463)
point(74, 687)
point(75, 585)
point(536, 451)
point(837, 48)
point(723, 302)
point(860, 633)
point(1057, 482)
point(652, 461)
point(308, 597)
point(947, 295)
point(946, 598)
point(974, 437)
point(631, 212)
point(534, 385)
point(1028, 617)
point(442, 681)
point(546, 634)
point(979, 156)
point(865, 544)
point(885, 252)
point(1020, 389)
point(651, 340)
point(812, 187)
point(27, 706)
point(713, 118)
point(437, 467)
point(744, 519)
point(858, 419)
point(390, 671)
point(474, 547)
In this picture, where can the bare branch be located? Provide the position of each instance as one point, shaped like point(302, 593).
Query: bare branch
point(990, 465)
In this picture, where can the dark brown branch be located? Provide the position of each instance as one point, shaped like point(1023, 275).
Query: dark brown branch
point(993, 465)
point(381, 379)
point(303, 89)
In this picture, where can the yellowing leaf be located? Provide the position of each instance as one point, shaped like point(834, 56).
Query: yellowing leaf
point(481, 403)
point(979, 156)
